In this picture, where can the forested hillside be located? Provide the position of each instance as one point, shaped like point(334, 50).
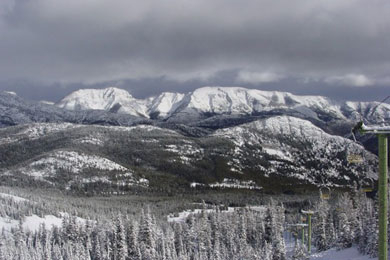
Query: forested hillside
point(212, 232)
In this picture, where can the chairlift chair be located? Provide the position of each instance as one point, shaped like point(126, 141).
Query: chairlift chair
point(355, 156)
point(325, 193)
point(367, 185)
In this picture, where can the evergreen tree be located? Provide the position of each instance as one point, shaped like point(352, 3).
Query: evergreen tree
point(267, 252)
point(204, 233)
point(300, 252)
point(279, 249)
point(191, 237)
point(121, 243)
point(147, 235)
point(132, 242)
point(2, 249)
point(320, 226)
point(347, 221)
point(268, 222)
point(372, 233)
point(345, 237)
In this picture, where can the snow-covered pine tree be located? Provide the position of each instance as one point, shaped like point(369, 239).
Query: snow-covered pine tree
point(278, 218)
point(216, 255)
point(347, 221)
point(268, 228)
point(20, 242)
point(372, 232)
point(121, 242)
point(191, 238)
point(47, 248)
point(242, 237)
point(56, 253)
point(345, 237)
point(2, 250)
point(178, 238)
point(132, 241)
point(70, 229)
point(146, 236)
point(96, 249)
point(204, 234)
point(267, 252)
point(365, 206)
point(331, 235)
point(300, 252)
point(320, 225)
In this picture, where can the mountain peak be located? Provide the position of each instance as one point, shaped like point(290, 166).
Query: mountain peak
point(165, 103)
point(110, 99)
point(110, 91)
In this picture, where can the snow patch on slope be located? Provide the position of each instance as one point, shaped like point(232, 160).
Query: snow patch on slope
point(278, 153)
point(165, 103)
point(236, 184)
point(345, 254)
point(72, 161)
point(186, 152)
point(35, 131)
point(182, 216)
point(281, 140)
point(33, 222)
point(30, 222)
point(15, 198)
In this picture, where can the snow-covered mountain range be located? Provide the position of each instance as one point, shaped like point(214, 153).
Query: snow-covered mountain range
point(15, 110)
point(120, 101)
point(207, 101)
point(105, 138)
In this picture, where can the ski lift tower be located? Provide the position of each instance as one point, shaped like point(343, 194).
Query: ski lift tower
point(309, 213)
point(382, 133)
point(300, 227)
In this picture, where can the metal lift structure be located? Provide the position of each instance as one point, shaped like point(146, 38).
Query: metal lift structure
point(382, 133)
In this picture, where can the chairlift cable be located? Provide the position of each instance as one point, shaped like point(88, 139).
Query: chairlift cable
point(380, 103)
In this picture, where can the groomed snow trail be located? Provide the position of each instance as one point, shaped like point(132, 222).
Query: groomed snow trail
point(331, 254)
point(346, 254)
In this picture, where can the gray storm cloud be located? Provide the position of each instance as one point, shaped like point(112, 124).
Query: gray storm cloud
point(91, 41)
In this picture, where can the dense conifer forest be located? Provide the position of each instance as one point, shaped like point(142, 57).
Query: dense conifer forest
point(120, 228)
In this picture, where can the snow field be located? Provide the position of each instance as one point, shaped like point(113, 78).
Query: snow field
point(15, 198)
point(73, 161)
point(182, 216)
point(37, 130)
point(346, 254)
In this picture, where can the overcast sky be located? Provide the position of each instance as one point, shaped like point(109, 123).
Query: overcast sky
point(337, 48)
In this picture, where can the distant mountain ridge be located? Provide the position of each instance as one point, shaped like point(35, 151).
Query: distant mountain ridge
point(15, 110)
point(120, 101)
point(196, 113)
point(209, 101)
